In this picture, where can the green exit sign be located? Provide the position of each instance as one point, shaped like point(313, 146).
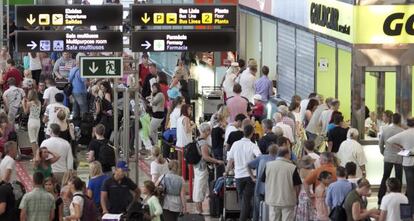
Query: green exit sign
point(21, 2)
point(101, 67)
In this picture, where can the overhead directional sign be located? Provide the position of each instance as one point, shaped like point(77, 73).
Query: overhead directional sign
point(183, 40)
point(101, 67)
point(223, 15)
point(71, 15)
point(87, 41)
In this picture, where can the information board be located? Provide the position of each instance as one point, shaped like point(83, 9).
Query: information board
point(101, 67)
point(78, 41)
point(184, 40)
point(71, 15)
point(222, 15)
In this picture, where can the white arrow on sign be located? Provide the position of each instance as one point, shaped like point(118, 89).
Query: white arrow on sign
point(32, 45)
point(31, 20)
point(93, 69)
point(146, 45)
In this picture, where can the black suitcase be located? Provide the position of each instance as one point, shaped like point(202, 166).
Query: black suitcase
point(216, 203)
point(191, 217)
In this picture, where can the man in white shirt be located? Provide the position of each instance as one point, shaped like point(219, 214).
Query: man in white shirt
point(351, 151)
point(391, 203)
point(12, 98)
point(8, 164)
point(405, 140)
point(51, 111)
point(50, 92)
point(247, 81)
point(240, 154)
point(62, 148)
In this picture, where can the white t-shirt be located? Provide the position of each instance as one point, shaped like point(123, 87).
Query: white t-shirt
point(325, 118)
point(247, 83)
point(228, 84)
point(175, 114)
point(6, 164)
point(391, 203)
point(242, 152)
point(229, 129)
point(14, 96)
point(51, 112)
point(50, 93)
point(351, 151)
point(34, 63)
point(287, 130)
point(62, 148)
point(76, 200)
point(303, 105)
point(157, 170)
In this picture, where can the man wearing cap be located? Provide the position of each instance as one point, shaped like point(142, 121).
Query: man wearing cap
point(264, 85)
point(116, 191)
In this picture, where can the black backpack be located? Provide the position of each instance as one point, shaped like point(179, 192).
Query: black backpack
point(106, 154)
point(191, 153)
point(338, 213)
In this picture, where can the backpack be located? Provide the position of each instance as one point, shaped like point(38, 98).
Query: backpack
point(191, 153)
point(136, 211)
point(106, 154)
point(89, 211)
point(338, 213)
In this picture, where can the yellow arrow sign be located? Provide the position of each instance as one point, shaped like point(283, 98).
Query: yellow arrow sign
point(145, 19)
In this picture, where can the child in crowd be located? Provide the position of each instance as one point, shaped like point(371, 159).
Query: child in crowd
point(151, 199)
point(51, 188)
point(258, 108)
point(27, 80)
point(322, 213)
point(309, 147)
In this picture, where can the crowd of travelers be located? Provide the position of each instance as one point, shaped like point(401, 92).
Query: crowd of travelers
point(303, 162)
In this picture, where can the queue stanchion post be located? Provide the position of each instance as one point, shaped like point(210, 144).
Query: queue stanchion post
point(190, 181)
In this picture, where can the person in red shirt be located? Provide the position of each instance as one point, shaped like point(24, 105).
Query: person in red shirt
point(258, 108)
point(12, 72)
point(143, 68)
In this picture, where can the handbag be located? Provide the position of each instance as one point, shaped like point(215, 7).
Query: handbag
point(161, 190)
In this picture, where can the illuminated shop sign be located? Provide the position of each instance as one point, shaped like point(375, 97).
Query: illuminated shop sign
point(328, 17)
point(332, 18)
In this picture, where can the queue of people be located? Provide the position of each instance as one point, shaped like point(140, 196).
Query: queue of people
point(303, 164)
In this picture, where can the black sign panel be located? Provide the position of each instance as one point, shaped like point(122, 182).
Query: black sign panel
point(71, 15)
point(223, 15)
point(86, 41)
point(183, 40)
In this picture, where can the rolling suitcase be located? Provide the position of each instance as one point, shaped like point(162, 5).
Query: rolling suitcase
point(215, 202)
point(264, 211)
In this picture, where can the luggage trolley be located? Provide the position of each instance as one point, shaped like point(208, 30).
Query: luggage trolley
point(231, 209)
point(212, 97)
